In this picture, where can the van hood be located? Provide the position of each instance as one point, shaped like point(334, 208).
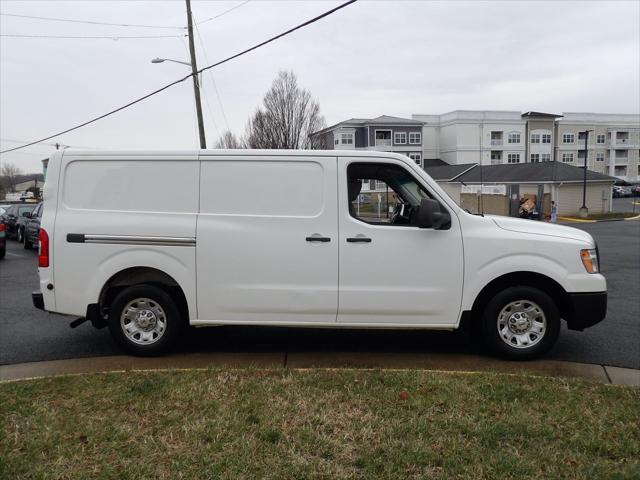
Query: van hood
point(541, 228)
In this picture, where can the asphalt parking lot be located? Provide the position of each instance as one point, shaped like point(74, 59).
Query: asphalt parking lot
point(28, 334)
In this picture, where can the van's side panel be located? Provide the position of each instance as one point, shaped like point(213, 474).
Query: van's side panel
point(135, 211)
point(255, 263)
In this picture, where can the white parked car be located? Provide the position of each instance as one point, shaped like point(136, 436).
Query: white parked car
point(149, 242)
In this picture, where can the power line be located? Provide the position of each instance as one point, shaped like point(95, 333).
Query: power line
point(223, 13)
point(213, 80)
point(161, 89)
point(88, 37)
point(90, 22)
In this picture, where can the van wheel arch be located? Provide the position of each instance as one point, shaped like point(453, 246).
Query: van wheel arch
point(527, 279)
point(139, 276)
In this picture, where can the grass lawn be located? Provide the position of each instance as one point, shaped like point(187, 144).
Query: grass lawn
point(316, 424)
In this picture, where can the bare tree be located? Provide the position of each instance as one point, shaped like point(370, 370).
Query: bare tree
point(289, 116)
point(229, 140)
point(10, 172)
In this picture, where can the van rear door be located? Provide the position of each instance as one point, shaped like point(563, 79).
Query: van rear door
point(267, 239)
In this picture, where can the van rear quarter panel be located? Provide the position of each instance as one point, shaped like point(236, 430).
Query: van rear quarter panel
point(123, 195)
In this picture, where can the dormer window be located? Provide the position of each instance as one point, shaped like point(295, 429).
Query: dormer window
point(415, 138)
point(346, 138)
point(400, 138)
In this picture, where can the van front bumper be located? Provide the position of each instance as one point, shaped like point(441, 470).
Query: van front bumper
point(38, 300)
point(587, 309)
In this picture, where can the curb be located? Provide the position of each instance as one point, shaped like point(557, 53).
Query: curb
point(582, 220)
point(440, 362)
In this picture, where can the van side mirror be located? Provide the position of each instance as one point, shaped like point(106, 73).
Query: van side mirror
point(26, 214)
point(431, 216)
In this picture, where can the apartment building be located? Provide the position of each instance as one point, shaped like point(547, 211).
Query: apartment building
point(613, 143)
point(497, 137)
point(384, 133)
point(493, 137)
point(488, 137)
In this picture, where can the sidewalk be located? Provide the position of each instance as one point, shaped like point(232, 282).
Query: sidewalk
point(420, 361)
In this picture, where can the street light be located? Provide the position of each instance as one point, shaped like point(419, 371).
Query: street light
point(194, 73)
point(584, 211)
point(160, 60)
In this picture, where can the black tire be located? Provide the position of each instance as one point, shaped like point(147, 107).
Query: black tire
point(540, 344)
point(174, 323)
point(27, 243)
point(3, 252)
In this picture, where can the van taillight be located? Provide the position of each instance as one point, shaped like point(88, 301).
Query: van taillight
point(1, 227)
point(43, 255)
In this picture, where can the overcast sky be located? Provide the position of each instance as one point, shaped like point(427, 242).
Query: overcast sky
point(371, 58)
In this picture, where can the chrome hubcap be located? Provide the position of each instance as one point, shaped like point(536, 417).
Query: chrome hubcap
point(143, 321)
point(521, 324)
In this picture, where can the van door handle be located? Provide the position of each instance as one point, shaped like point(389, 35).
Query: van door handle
point(358, 240)
point(318, 239)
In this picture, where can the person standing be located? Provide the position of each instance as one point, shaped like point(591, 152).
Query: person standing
point(554, 212)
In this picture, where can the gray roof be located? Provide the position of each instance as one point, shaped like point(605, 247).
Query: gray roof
point(544, 172)
point(444, 173)
point(381, 120)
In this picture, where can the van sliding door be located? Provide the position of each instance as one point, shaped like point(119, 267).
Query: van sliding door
point(267, 246)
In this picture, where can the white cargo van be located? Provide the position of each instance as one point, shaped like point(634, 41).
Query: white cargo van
point(149, 242)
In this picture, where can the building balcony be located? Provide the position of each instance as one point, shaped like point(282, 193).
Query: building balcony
point(383, 142)
point(496, 141)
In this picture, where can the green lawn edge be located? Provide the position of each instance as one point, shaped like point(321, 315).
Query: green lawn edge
point(282, 423)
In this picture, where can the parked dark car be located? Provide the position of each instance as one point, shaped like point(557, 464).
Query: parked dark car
point(11, 216)
point(32, 227)
point(621, 191)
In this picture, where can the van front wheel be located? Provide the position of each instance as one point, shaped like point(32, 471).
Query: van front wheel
point(521, 323)
point(144, 320)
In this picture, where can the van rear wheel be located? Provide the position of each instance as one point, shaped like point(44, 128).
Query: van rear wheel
point(144, 320)
point(521, 323)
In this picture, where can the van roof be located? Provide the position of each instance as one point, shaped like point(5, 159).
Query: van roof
point(232, 152)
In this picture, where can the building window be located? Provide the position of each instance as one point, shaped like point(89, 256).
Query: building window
point(514, 137)
point(546, 138)
point(415, 138)
point(599, 156)
point(535, 157)
point(513, 158)
point(600, 138)
point(496, 157)
point(336, 141)
point(496, 138)
point(567, 157)
point(416, 157)
point(620, 171)
point(346, 138)
point(535, 138)
point(568, 138)
point(383, 138)
point(400, 138)
point(546, 157)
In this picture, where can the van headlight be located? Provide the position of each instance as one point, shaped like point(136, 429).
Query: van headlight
point(589, 258)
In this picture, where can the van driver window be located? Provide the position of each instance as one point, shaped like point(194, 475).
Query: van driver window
point(383, 194)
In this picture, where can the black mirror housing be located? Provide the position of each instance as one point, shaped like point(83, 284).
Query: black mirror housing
point(430, 215)
point(26, 214)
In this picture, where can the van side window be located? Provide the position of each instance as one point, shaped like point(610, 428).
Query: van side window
point(383, 194)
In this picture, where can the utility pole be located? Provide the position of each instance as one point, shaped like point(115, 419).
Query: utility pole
point(194, 71)
point(584, 211)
